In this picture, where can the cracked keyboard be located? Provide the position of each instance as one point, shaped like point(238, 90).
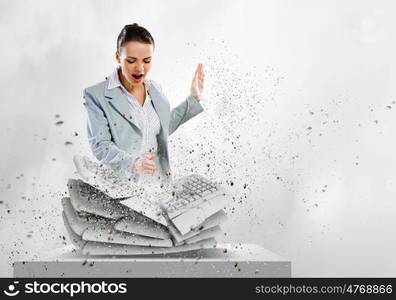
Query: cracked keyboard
point(193, 200)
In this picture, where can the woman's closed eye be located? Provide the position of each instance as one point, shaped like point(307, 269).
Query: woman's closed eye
point(132, 62)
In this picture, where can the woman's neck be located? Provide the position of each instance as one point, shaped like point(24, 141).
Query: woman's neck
point(130, 88)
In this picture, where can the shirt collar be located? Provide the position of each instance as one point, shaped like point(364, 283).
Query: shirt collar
point(114, 82)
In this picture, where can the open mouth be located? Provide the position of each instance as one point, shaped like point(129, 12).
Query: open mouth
point(137, 76)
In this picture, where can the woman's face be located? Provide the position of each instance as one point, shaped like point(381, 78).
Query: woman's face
point(135, 61)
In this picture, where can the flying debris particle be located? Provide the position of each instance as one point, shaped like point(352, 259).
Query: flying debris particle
point(67, 143)
point(59, 123)
point(389, 107)
point(75, 133)
point(57, 116)
point(376, 121)
point(309, 128)
point(53, 159)
point(245, 186)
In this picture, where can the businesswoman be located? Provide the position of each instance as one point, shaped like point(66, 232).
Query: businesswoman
point(129, 117)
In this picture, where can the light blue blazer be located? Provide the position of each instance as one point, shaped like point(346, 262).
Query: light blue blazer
point(113, 135)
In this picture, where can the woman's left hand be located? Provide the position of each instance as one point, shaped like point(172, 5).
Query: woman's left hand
point(197, 84)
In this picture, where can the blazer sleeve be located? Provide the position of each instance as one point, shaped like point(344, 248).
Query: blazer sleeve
point(186, 110)
point(100, 140)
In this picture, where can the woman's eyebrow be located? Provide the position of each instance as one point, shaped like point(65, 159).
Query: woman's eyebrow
point(136, 57)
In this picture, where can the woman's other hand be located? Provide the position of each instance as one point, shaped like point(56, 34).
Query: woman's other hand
point(144, 165)
point(197, 84)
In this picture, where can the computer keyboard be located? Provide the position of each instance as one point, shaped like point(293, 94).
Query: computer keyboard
point(214, 220)
point(104, 179)
point(88, 199)
point(184, 204)
point(193, 190)
point(194, 199)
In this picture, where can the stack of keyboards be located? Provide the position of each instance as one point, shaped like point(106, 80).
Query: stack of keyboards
point(107, 216)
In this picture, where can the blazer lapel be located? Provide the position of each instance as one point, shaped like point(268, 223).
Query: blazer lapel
point(119, 101)
point(160, 106)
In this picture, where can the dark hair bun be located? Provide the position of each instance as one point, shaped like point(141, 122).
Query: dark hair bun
point(134, 33)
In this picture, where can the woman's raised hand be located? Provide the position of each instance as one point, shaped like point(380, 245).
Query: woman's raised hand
point(197, 85)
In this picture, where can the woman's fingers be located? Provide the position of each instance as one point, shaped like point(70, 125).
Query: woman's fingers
point(149, 156)
point(198, 82)
point(199, 68)
point(149, 165)
point(147, 173)
point(146, 168)
point(145, 165)
point(201, 77)
point(201, 74)
point(201, 85)
point(148, 162)
point(201, 71)
point(196, 73)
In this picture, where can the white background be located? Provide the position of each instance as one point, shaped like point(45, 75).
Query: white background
point(303, 90)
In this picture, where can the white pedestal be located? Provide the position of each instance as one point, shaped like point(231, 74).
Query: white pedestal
point(236, 260)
